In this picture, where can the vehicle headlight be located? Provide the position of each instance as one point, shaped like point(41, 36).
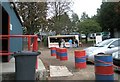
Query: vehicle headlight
point(89, 53)
point(94, 53)
point(115, 55)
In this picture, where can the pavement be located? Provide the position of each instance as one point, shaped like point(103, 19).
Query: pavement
point(7, 71)
point(78, 74)
point(45, 60)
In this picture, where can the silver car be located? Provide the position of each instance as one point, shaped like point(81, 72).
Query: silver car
point(107, 47)
point(116, 60)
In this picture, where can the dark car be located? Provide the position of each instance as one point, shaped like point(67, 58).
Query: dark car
point(116, 60)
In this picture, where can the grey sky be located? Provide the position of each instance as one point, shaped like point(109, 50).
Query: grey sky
point(88, 6)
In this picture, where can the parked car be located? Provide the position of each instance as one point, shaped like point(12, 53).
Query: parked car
point(116, 60)
point(92, 35)
point(106, 47)
point(105, 35)
point(83, 36)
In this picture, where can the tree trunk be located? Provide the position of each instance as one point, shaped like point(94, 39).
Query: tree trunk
point(30, 32)
point(86, 39)
point(111, 33)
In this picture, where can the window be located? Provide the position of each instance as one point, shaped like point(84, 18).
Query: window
point(116, 43)
point(53, 40)
point(104, 43)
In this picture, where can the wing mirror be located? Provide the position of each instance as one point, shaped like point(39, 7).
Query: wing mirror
point(111, 46)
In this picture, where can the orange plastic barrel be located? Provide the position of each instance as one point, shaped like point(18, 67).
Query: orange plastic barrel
point(63, 54)
point(53, 51)
point(104, 67)
point(57, 53)
point(80, 59)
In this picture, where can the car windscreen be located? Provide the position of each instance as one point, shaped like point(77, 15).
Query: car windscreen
point(103, 43)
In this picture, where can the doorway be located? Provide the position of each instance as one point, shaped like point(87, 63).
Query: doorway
point(5, 31)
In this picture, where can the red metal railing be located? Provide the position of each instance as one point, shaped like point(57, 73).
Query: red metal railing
point(35, 43)
point(34, 46)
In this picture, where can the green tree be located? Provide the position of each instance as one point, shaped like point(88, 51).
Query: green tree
point(88, 26)
point(33, 15)
point(84, 16)
point(59, 7)
point(75, 20)
point(109, 16)
point(62, 25)
point(59, 20)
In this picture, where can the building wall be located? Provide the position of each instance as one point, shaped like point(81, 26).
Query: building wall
point(15, 28)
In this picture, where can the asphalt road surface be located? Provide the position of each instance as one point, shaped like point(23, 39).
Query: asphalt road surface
point(78, 74)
